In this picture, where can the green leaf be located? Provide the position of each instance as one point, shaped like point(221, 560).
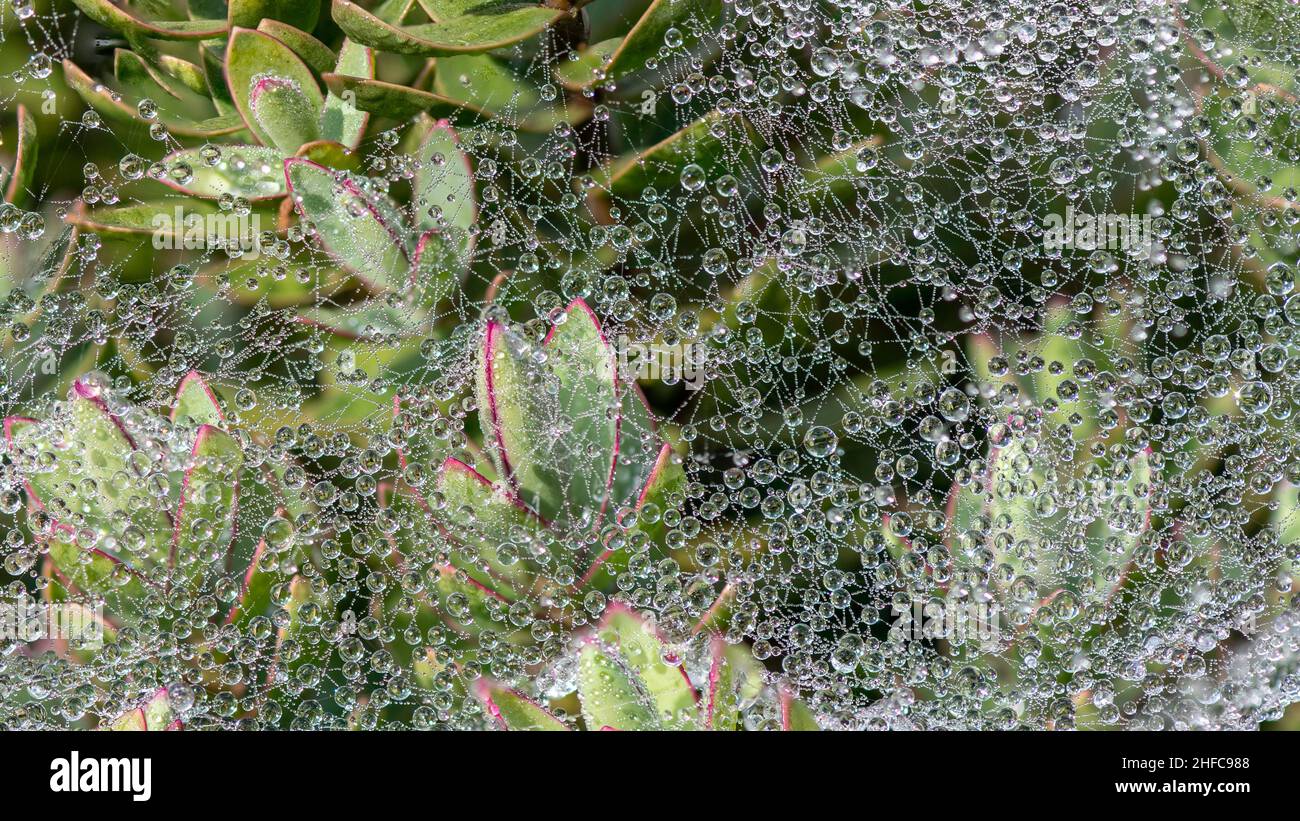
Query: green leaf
point(582, 360)
point(590, 65)
point(196, 403)
point(158, 711)
point(137, 78)
point(638, 447)
point(359, 228)
point(661, 164)
point(341, 121)
point(555, 474)
point(114, 17)
point(513, 710)
point(302, 654)
point(301, 14)
point(611, 694)
point(130, 721)
point(389, 99)
point(212, 60)
point(485, 84)
point(721, 691)
point(646, 655)
point(273, 90)
point(250, 171)
point(481, 519)
point(189, 75)
point(194, 224)
point(96, 573)
point(18, 190)
point(205, 517)
point(255, 588)
point(93, 476)
point(117, 110)
point(443, 188)
point(644, 42)
point(660, 492)
point(468, 34)
point(319, 57)
point(471, 604)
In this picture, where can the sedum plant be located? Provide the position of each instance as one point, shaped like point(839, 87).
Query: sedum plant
point(503, 551)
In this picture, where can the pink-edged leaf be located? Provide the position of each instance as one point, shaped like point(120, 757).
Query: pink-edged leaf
point(564, 475)
point(196, 402)
point(512, 710)
point(362, 229)
point(612, 695)
point(658, 670)
point(206, 514)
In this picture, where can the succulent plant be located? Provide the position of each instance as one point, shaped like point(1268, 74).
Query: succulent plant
point(573, 501)
point(157, 519)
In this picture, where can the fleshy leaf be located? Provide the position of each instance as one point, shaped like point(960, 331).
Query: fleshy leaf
point(611, 694)
point(590, 65)
point(638, 450)
point(471, 604)
point(643, 43)
point(301, 14)
point(795, 715)
point(515, 418)
point(283, 114)
point(646, 655)
point(512, 710)
point(466, 34)
point(305, 669)
point(130, 721)
point(657, 496)
point(113, 17)
point(481, 518)
point(273, 90)
point(444, 186)
point(341, 120)
point(196, 402)
point(98, 574)
point(250, 171)
point(583, 361)
point(99, 451)
point(483, 83)
point(371, 242)
point(389, 99)
point(183, 226)
point(158, 711)
point(116, 110)
point(205, 517)
point(319, 57)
